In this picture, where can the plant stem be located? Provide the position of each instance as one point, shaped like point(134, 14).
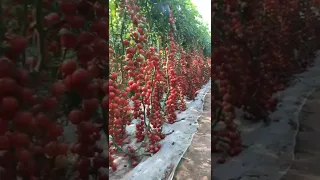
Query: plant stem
point(168, 79)
point(121, 39)
point(152, 92)
point(40, 34)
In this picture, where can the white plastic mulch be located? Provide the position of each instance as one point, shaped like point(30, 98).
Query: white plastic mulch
point(163, 164)
point(271, 148)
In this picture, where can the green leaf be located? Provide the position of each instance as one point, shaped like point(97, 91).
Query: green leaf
point(127, 36)
point(112, 7)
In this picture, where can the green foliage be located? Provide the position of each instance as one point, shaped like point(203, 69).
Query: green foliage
point(190, 32)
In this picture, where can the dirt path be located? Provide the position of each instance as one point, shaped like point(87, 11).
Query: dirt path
point(196, 164)
point(307, 151)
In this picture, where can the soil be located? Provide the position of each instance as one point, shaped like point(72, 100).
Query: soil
point(196, 162)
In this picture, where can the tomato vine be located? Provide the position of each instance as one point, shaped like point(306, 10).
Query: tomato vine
point(53, 66)
point(148, 82)
point(257, 48)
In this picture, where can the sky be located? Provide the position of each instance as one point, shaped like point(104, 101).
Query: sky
point(204, 8)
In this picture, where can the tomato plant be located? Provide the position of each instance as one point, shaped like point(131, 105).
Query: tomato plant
point(258, 47)
point(53, 67)
point(153, 69)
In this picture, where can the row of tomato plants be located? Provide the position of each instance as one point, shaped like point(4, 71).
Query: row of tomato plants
point(258, 47)
point(53, 73)
point(148, 84)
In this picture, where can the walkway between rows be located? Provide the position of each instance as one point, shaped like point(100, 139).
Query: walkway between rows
point(307, 152)
point(196, 162)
